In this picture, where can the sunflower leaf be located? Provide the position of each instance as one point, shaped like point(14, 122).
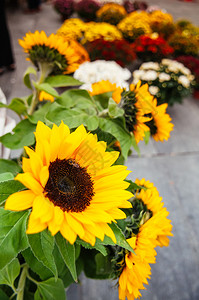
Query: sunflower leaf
point(9, 187)
point(3, 296)
point(35, 265)
point(62, 81)
point(92, 122)
point(9, 166)
point(113, 109)
point(42, 245)
point(116, 128)
point(47, 88)
point(98, 246)
point(6, 176)
point(67, 252)
point(26, 78)
point(120, 238)
point(39, 115)
point(50, 289)
point(22, 136)
point(17, 105)
point(10, 272)
point(13, 238)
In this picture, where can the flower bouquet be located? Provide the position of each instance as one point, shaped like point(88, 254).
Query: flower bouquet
point(64, 7)
point(120, 51)
point(151, 48)
point(169, 81)
point(111, 13)
point(66, 206)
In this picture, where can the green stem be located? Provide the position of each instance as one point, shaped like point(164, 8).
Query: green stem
point(45, 69)
point(103, 113)
point(21, 285)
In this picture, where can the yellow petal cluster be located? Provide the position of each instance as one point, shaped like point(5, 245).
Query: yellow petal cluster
point(87, 153)
point(72, 29)
point(45, 96)
point(105, 86)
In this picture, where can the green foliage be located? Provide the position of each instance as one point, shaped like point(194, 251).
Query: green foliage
point(17, 105)
point(42, 245)
point(22, 136)
point(67, 252)
point(9, 166)
point(13, 238)
point(26, 78)
point(10, 272)
point(50, 289)
point(9, 187)
point(62, 81)
point(40, 114)
point(6, 176)
point(47, 88)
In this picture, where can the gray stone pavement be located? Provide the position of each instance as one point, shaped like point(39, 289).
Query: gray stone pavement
point(173, 166)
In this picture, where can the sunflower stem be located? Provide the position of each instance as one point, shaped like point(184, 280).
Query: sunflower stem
point(103, 113)
point(22, 281)
point(45, 70)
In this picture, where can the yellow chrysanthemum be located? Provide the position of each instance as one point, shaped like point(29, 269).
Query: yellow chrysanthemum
point(134, 25)
point(45, 96)
point(137, 269)
point(72, 29)
point(101, 30)
point(105, 86)
point(71, 185)
point(112, 13)
point(150, 197)
point(60, 54)
point(160, 124)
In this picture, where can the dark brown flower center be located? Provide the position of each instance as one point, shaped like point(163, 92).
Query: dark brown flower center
point(69, 186)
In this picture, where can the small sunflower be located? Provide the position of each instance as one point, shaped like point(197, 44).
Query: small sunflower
point(43, 96)
point(54, 51)
point(136, 103)
point(71, 185)
point(137, 268)
point(105, 86)
point(160, 125)
point(150, 197)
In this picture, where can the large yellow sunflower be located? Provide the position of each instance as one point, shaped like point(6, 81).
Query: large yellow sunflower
point(71, 185)
point(105, 86)
point(137, 269)
point(59, 53)
point(160, 124)
point(150, 197)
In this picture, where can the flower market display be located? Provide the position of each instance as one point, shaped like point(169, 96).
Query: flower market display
point(67, 204)
point(111, 13)
point(64, 8)
point(169, 81)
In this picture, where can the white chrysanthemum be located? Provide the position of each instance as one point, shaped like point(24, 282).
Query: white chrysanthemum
point(91, 72)
point(153, 90)
point(6, 126)
point(164, 77)
point(137, 74)
point(149, 75)
point(150, 65)
point(184, 81)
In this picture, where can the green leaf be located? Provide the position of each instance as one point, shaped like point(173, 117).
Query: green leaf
point(62, 81)
point(6, 176)
point(22, 136)
point(103, 99)
point(9, 166)
point(120, 238)
point(3, 296)
point(42, 245)
point(147, 137)
point(39, 115)
point(17, 105)
point(98, 245)
point(10, 272)
point(35, 265)
point(13, 238)
point(92, 122)
point(9, 187)
point(71, 117)
point(78, 98)
point(47, 88)
point(67, 252)
point(116, 128)
point(133, 186)
point(50, 289)
point(113, 109)
point(26, 77)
